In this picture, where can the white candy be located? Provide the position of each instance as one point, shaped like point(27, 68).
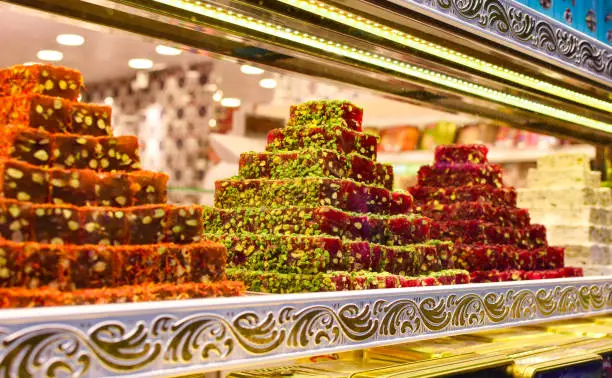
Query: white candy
point(563, 178)
point(564, 161)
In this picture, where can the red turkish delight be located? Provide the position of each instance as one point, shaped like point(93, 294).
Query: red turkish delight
point(89, 119)
point(426, 195)
point(483, 257)
point(466, 153)
point(355, 256)
point(333, 136)
point(549, 258)
point(460, 175)
point(502, 216)
point(319, 113)
point(408, 230)
point(42, 79)
point(401, 202)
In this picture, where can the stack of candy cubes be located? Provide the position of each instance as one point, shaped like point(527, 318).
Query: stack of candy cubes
point(316, 212)
point(493, 239)
point(80, 222)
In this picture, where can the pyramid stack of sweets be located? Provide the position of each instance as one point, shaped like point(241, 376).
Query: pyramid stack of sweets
point(80, 222)
point(565, 195)
point(493, 239)
point(316, 212)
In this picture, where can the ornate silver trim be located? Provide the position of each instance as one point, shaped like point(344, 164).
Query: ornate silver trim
point(148, 339)
point(523, 27)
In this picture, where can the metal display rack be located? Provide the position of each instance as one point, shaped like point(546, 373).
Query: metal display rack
point(192, 336)
point(495, 58)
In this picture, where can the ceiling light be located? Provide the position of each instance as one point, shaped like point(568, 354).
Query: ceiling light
point(70, 39)
point(217, 96)
point(50, 55)
point(267, 83)
point(167, 50)
point(109, 101)
point(230, 102)
point(212, 123)
point(141, 64)
point(250, 70)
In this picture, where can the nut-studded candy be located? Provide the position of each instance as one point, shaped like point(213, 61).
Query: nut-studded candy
point(118, 153)
point(41, 78)
point(92, 266)
point(146, 224)
point(184, 224)
point(35, 111)
point(321, 112)
point(113, 189)
point(56, 224)
point(73, 151)
point(40, 265)
point(24, 182)
point(75, 187)
point(16, 221)
point(105, 226)
point(28, 145)
point(148, 187)
point(89, 119)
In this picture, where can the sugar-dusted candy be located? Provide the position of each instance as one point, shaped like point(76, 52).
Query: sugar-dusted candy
point(43, 79)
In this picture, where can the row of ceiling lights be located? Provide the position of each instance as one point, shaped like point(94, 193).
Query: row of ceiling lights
point(231, 102)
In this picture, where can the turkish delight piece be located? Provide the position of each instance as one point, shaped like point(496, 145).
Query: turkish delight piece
point(404, 230)
point(563, 178)
point(28, 145)
point(319, 113)
point(208, 261)
point(461, 232)
point(176, 265)
point(16, 221)
point(90, 119)
point(73, 151)
point(483, 256)
point(285, 254)
point(426, 195)
point(355, 256)
point(465, 153)
point(39, 112)
point(401, 202)
point(76, 187)
point(148, 188)
point(24, 182)
point(9, 254)
point(284, 283)
point(113, 189)
point(104, 226)
point(140, 264)
point(184, 224)
point(549, 258)
point(40, 265)
point(378, 200)
point(334, 136)
point(92, 266)
point(534, 236)
point(146, 224)
point(118, 153)
point(42, 79)
point(503, 216)
point(55, 224)
point(525, 259)
point(481, 276)
point(460, 175)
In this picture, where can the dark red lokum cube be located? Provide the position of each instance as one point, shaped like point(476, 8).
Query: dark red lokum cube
point(43, 79)
point(113, 189)
point(365, 170)
point(146, 224)
point(332, 221)
point(482, 257)
point(104, 226)
point(208, 261)
point(24, 144)
point(341, 280)
point(460, 174)
point(481, 276)
point(184, 224)
point(571, 272)
point(408, 229)
point(319, 113)
point(379, 200)
point(56, 224)
point(356, 196)
point(401, 202)
point(426, 195)
point(76, 187)
point(92, 266)
point(465, 153)
point(40, 265)
point(24, 182)
point(148, 188)
point(549, 258)
point(502, 216)
point(16, 221)
point(90, 119)
point(118, 153)
point(74, 151)
point(525, 259)
point(535, 236)
point(355, 256)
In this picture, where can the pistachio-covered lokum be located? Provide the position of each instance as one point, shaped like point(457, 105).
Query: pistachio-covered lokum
point(493, 239)
point(324, 220)
point(332, 136)
point(315, 163)
point(42, 79)
point(321, 112)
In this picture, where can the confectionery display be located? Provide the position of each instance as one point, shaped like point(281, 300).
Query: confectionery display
point(493, 239)
point(565, 195)
point(80, 223)
point(316, 213)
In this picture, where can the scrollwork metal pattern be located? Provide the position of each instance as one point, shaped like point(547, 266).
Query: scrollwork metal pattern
point(522, 25)
point(133, 344)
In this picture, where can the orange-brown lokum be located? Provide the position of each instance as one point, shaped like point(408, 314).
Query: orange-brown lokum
point(41, 78)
